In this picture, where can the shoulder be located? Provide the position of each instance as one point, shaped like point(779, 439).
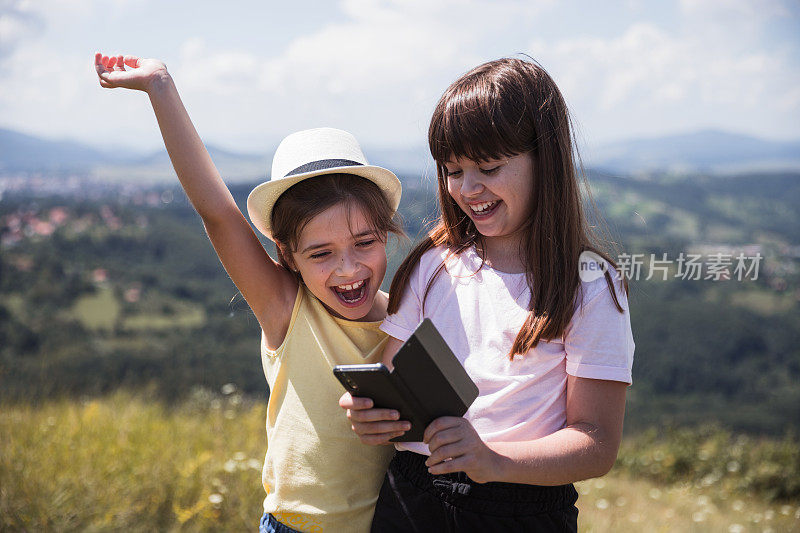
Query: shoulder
point(430, 261)
point(435, 255)
point(441, 259)
point(594, 283)
point(439, 255)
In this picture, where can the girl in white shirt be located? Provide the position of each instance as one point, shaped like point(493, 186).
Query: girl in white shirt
point(513, 278)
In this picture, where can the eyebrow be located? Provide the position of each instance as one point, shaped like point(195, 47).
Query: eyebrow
point(501, 160)
point(324, 244)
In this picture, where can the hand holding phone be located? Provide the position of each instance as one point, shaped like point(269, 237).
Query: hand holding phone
point(427, 382)
point(373, 425)
point(375, 382)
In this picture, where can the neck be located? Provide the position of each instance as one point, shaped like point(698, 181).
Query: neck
point(379, 306)
point(503, 253)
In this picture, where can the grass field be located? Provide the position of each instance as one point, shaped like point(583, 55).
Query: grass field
point(124, 462)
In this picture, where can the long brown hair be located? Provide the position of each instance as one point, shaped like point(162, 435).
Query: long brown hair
point(500, 109)
point(300, 203)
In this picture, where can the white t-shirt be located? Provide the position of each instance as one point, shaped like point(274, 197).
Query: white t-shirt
point(480, 312)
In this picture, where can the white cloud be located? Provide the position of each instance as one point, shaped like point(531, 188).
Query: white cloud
point(761, 10)
point(386, 62)
point(377, 67)
point(648, 79)
point(17, 22)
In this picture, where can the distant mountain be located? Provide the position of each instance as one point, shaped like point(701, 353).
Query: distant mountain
point(708, 151)
point(160, 157)
point(21, 152)
point(412, 162)
point(28, 153)
point(705, 151)
point(233, 166)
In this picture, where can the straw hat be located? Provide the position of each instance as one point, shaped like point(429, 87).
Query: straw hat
point(310, 153)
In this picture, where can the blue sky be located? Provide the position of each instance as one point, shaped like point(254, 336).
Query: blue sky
point(251, 72)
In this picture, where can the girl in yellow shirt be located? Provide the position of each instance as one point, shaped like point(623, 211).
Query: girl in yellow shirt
point(329, 212)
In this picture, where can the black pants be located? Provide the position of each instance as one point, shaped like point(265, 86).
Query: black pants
point(411, 499)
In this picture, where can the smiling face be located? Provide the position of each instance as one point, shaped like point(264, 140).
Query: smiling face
point(495, 194)
point(342, 261)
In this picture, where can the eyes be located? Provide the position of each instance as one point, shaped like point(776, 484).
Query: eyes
point(362, 244)
point(487, 170)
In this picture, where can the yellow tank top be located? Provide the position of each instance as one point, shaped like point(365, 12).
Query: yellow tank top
point(317, 474)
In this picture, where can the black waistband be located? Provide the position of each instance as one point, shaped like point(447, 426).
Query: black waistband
point(458, 486)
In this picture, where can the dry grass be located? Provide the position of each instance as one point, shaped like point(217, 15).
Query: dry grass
point(124, 462)
point(618, 502)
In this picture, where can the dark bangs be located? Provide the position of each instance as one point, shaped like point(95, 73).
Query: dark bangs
point(483, 116)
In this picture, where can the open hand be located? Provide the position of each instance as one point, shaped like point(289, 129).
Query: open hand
point(142, 73)
point(456, 447)
point(373, 426)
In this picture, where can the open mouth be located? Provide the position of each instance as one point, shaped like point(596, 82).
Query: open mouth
point(352, 294)
point(483, 210)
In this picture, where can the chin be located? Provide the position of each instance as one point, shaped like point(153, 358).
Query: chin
point(354, 314)
point(349, 313)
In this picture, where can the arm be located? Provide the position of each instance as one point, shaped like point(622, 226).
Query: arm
point(587, 447)
point(266, 286)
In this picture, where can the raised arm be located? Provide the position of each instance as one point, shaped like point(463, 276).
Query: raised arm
point(266, 286)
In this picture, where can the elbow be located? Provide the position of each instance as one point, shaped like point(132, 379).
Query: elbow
point(603, 447)
point(605, 463)
point(599, 465)
point(606, 455)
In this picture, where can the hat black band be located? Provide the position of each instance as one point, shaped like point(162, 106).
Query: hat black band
point(323, 164)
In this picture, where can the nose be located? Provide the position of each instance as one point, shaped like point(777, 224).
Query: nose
point(348, 265)
point(471, 183)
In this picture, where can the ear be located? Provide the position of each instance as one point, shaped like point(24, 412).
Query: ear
point(286, 257)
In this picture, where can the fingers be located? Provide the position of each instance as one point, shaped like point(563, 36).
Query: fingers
point(443, 438)
point(116, 62)
point(375, 425)
point(439, 424)
point(379, 439)
point(99, 66)
point(376, 433)
point(379, 428)
point(451, 451)
point(372, 415)
point(348, 401)
point(458, 464)
point(100, 62)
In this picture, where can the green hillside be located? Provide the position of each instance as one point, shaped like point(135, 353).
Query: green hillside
point(123, 289)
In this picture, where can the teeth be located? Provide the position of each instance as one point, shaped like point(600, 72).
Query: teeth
point(479, 208)
point(352, 286)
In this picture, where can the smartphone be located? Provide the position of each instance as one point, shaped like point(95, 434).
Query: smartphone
point(375, 382)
